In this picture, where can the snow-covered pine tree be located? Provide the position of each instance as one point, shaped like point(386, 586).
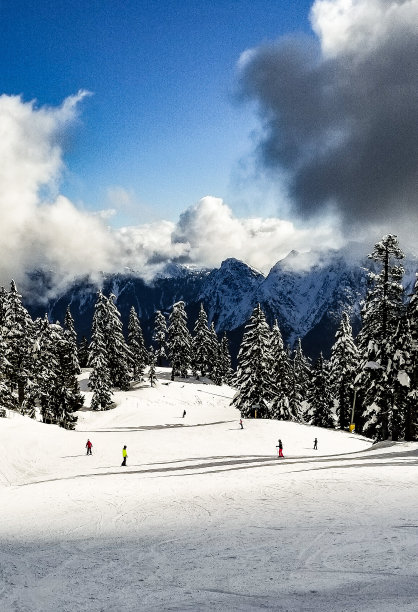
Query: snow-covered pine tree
point(136, 345)
point(215, 375)
point(281, 375)
point(300, 382)
point(3, 300)
point(160, 337)
point(255, 387)
point(224, 371)
point(411, 414)
point(83, 352)
point(382, 310)
point(344, 364)
point(152, 374)
point(320, 397)
point(119, 356)
point(45, 381)
point(7, 399)
point(71, 336)
point(99, 381)
point(201, 345)
point(19, 339)
point(179, 341)
point(58, 387)
point(398, 376)
point(213, 352)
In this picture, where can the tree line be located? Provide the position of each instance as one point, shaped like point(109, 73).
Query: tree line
point(40, 360)
point(371, 381)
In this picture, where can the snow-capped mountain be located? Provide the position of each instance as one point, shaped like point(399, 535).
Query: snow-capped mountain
point(306, 297)
point(299, 298)
point(229, 294)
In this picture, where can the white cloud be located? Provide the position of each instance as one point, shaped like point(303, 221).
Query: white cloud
point(212, 233)
point(357, 27)
point(47, 232)
point(43, 231)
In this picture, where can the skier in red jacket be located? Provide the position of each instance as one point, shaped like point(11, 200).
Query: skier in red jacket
point(89, 447)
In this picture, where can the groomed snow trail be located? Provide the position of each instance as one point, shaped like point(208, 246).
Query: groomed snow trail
point(205, 516)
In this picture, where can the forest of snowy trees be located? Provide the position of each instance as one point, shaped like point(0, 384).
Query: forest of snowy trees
point(371, 381)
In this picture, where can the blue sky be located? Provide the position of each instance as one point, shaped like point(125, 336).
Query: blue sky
point(163, 123)
point(323, 151)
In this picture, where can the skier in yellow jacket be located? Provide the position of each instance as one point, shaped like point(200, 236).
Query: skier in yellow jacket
point(124, 455)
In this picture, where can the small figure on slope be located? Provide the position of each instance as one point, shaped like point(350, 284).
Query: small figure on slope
point(240, 422)
point(89, 446)
point(315, 444)
point(280, 447)
point(184, 413)
point(124, 455)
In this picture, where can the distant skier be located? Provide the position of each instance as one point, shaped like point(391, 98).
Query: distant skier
point(124, 455)
point(315, 444)
point(89, 446)
point(240, 422)
point(184, 413)
point(280, 447)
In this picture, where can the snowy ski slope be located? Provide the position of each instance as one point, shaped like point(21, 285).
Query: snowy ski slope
point(204, 516)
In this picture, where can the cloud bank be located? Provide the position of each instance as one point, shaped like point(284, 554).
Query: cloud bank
point(43, 230)
point(340, 112)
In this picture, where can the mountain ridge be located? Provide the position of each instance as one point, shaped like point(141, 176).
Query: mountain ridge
point(307, 303)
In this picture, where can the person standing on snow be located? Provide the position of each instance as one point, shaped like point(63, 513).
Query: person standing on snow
point(89, 446)
point(124, 455)
point(184, 413)
point(315, 444)
point(280, 447)
point(240, 422)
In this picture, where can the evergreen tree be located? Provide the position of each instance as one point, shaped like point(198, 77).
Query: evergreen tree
point(300, 382)
point(201, 345)
point(42, 383)
point(55, 385)
point(99, 381)
point(18, 338)
point(213, 352)
point(7, 399)
point(223, 373)
point(83, 352)
point(152, 374)
point(320, 397)
point(281, 374)
point(71, 336)
point(179, 341)
point(411, 414)
point(136, 345)
point(119, 356)
point(3, 302)
point(253, 377)
point(381, 313)
point(398, 378)
point(160, 337)
point(344, 364)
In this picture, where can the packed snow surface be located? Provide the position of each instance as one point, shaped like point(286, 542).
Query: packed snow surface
point(204, 516)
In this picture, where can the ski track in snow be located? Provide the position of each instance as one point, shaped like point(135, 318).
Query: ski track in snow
point(205, 516)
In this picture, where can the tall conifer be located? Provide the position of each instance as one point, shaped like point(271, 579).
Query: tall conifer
point(139, 354)
point(320, 398)
point(253, 378)
point(344, 364)
point(381, 313)
point(160, 337)
point(179, 341)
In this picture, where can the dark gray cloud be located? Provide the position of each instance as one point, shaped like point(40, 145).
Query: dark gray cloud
point(340, 113)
